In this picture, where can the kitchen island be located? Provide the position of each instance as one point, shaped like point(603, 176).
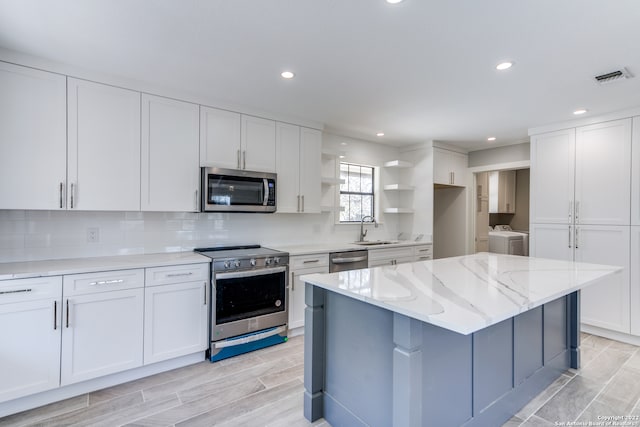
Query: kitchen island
point(457, 341)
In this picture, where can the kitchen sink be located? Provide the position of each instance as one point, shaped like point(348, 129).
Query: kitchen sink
point(376, 243)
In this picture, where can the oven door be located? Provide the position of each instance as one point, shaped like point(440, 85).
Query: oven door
point(229, 190)
point(247, 301)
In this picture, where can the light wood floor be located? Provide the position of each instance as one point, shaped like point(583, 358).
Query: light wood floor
point(265, 388)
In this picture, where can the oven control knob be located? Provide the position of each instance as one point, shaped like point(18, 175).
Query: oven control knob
point(252, 262)
point(267, 261)
point(276, 260)
point(227, 264)
point(237, 263)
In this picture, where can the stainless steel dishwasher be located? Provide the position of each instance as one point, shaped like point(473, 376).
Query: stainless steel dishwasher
point(351, 260)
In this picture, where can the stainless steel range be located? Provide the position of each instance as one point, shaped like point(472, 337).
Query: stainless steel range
point(249, 299)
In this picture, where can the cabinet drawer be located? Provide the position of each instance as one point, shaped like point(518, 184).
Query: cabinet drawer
point(395, 253)
point(308, 261)
point(423, 252)
point(19, 290)
point(88, 283)
point(177, 274)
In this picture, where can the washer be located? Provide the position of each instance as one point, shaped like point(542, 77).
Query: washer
point(505, 241)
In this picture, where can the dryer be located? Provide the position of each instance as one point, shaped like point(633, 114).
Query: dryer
point(504, 240)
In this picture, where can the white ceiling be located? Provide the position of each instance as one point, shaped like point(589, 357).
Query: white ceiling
point(419, 70)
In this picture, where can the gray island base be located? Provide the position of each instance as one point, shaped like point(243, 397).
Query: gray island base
point(368, 366)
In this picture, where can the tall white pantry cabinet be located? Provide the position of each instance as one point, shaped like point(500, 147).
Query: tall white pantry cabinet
point(582, 194)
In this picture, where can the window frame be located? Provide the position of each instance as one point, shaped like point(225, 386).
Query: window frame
point(357, 193)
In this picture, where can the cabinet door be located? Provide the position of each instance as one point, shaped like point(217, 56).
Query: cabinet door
point(310, 169)
point(606, 303)
point(33, 135)
point(552, 177)
point(258, 138)
point(634, 283)
point(603, 173)
point(30, 330)
point(507, 192)
point(219, 138)
point(288, 167)
point(101, 334)
point(635, 172)
point(441, 166)
point(175, 321)
point(104, 147)
point(296, 295)
point(554, 241)
point(458, 164)
point(170, 171)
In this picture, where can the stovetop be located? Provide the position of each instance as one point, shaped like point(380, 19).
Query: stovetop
point(239, 252)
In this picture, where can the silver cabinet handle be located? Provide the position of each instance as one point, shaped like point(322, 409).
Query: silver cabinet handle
point(15, 291)
point(310, 261)
point(72, 191)
point(205, 293)
point(244, 159)
point(303, 203)
point(238, 152)
point(569, 240)
point(180, 274)
point(577, 212)
point(425, 257)
point(576, 237)
point(55, 315)
point(61, 190)
point(67, 313)
point(106, 282)
point(196, 201)
point(293, 281)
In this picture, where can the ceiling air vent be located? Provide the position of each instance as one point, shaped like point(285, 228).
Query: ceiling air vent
point(613, 76)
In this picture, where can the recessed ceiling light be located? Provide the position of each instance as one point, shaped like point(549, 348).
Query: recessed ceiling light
point(380, 134)
point(287, 75)
point(504, 66)
point(341, 156)
point(343, 143)
point(580, 111)
point(491, 138)
point(394, 1)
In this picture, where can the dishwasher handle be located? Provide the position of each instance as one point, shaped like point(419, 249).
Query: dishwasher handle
point(346, 260)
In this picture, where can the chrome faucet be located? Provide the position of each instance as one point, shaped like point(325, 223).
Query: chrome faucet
point(363, 232)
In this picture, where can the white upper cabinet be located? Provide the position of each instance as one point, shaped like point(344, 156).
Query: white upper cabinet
point(236, 141)
point(603, 173)
point(552, 177)
point(502, 192)
point(298, 165)
point(33, 138)
point(287, 167)
point(170, 151)
point(635, 173)
point(258, 144)
point(219, 138)
point(103, 147)
point(449, 167)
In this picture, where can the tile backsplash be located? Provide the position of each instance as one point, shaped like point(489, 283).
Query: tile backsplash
point(39, 235)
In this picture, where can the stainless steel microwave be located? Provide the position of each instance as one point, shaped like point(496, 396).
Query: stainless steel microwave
point(231, 190)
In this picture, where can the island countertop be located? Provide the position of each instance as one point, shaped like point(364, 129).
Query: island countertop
point(464, 294)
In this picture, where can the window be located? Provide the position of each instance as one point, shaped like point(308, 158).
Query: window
point(356, 194)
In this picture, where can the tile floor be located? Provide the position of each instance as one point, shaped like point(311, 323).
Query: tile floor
point(264, 388)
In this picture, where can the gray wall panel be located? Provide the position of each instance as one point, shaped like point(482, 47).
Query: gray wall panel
point(527, 346)
point(555, 328)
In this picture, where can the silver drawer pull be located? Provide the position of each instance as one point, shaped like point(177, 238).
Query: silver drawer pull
point(16, 291)
point(310, 261)
point(424, 250)
point(180, 274)
point(425, 257)
point(106, 282)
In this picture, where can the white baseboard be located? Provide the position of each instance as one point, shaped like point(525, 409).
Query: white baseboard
point(612, 335)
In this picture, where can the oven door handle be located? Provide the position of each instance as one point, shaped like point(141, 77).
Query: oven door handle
point(250, 273)
point(255, 337)
point(348, 260)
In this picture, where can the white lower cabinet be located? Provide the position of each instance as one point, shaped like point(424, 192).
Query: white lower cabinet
point(422, 252)
point(102, 328)
point(391, 256)
point(634, 292)
point(30, 331)
point(300, 265)
point(176, 311)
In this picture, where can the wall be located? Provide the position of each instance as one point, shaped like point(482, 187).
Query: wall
point(38, 235)
point(449, 216)
point(520, 220)
point(492, 156)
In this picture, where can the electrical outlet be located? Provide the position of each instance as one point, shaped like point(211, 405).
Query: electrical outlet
point(93, 235)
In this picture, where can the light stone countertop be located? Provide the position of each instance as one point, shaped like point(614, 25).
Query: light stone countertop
point(464, 294)
point(317, 248)
point(57, 267)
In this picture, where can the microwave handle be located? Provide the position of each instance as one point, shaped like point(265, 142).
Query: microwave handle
point(265, 182)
